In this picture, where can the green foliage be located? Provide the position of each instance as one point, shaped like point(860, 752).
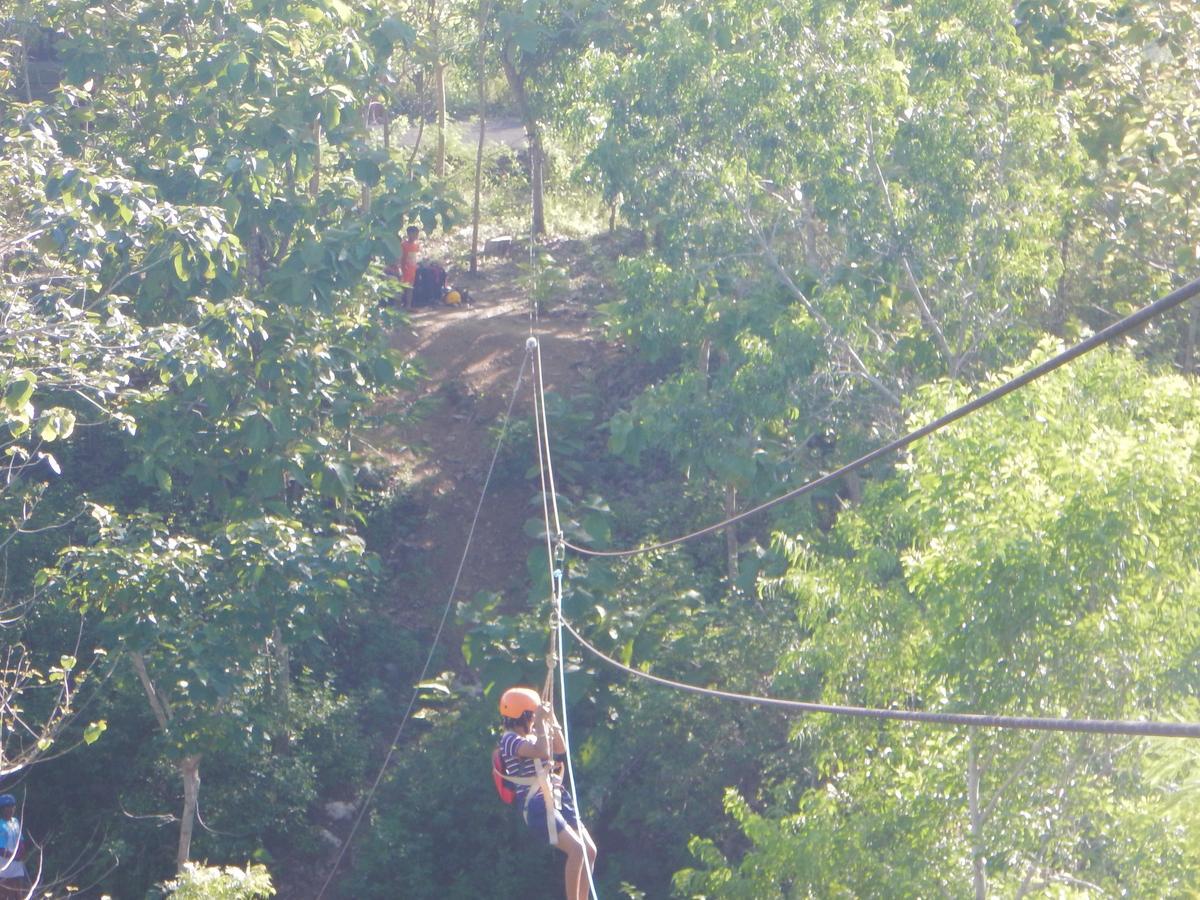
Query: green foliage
point(740, 402)
point(188, 266)
point(1124, 74)
point(545, 281)
point(1173, 769)
point(1037, 560)
point(837, 216)
point(221, 883)
point(851, 212)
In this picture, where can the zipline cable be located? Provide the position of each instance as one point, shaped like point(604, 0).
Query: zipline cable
point(973, 720)
point(553, 559)
point(1116, 330)
point(533, 316)
point(545, 437)
point(437, 634)
point(552, 655)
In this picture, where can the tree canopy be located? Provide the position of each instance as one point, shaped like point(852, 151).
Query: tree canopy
point(827, 222)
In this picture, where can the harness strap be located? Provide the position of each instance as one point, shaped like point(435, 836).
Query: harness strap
point(545, 786)
point(542, 780)
point(523, 780)
point(553, 801)
point(550, 800)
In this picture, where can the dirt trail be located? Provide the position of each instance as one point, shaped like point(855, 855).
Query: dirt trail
point(472, 356)
point(504, 130)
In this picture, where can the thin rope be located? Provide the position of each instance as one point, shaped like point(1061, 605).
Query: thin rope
point(973, 720)
point(562, 680)
point(546, 473)
point(533, 317)
point(533, 347)
point(541, 389)
point(437, 634)
point(1107, 335)
point(552, 653)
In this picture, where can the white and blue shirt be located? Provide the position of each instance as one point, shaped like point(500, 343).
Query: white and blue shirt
point(10, 835)
point(517, 766)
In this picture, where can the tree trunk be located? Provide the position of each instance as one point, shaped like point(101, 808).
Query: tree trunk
point(533, 133)
point(978, 860)
point(158, 705)
point(282, 741)
point(703, 358)
point(479, 147)
point(368, 129)
point(439, 86)
point(189, 766)
point(703, 364)
point(810, 233)
point(189, 770)
point(24, 51)
point(387, 125)
point(314, 183)
point(412, 157)
point(1060, 289)
point(854, 487)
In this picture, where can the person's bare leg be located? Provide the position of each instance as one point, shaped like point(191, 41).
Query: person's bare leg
point(590, 846)
point(577, 883)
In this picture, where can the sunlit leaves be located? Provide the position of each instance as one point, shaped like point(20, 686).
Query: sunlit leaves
point(191, 325)
point(1037, 558)
point(94, 730)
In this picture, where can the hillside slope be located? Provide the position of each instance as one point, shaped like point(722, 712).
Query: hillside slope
point(471, 356)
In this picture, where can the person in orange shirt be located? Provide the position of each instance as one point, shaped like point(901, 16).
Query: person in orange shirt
point(410, 251)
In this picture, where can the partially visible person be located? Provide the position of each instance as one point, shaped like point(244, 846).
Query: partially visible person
point(14, 882)
point(410, 254)
point(531, 744)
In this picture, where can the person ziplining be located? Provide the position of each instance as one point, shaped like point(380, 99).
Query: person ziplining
point(529, 757)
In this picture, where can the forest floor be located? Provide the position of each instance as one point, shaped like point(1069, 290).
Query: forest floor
point(506, 130)
point(471, 356)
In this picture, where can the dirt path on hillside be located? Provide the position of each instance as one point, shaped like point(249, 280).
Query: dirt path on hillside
point(504, 130)
point(472, 356)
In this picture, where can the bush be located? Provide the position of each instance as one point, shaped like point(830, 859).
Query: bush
point(217, 883)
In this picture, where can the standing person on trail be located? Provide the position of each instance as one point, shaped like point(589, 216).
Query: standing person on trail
point(13, 879)
point(529, 748)
point(410, 252)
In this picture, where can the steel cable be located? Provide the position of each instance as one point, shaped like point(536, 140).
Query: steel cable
point(1105, 336)
point(973, 720)
point(546, 473)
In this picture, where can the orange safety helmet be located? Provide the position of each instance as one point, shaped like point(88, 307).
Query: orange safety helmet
point(517, 701)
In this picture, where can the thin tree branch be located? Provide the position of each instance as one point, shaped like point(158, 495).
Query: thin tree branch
point(952, 360)
point(158, 705)
point(860, 367)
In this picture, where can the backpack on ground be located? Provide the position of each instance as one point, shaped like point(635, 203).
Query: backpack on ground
point(457, 297)
point(428, 285)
